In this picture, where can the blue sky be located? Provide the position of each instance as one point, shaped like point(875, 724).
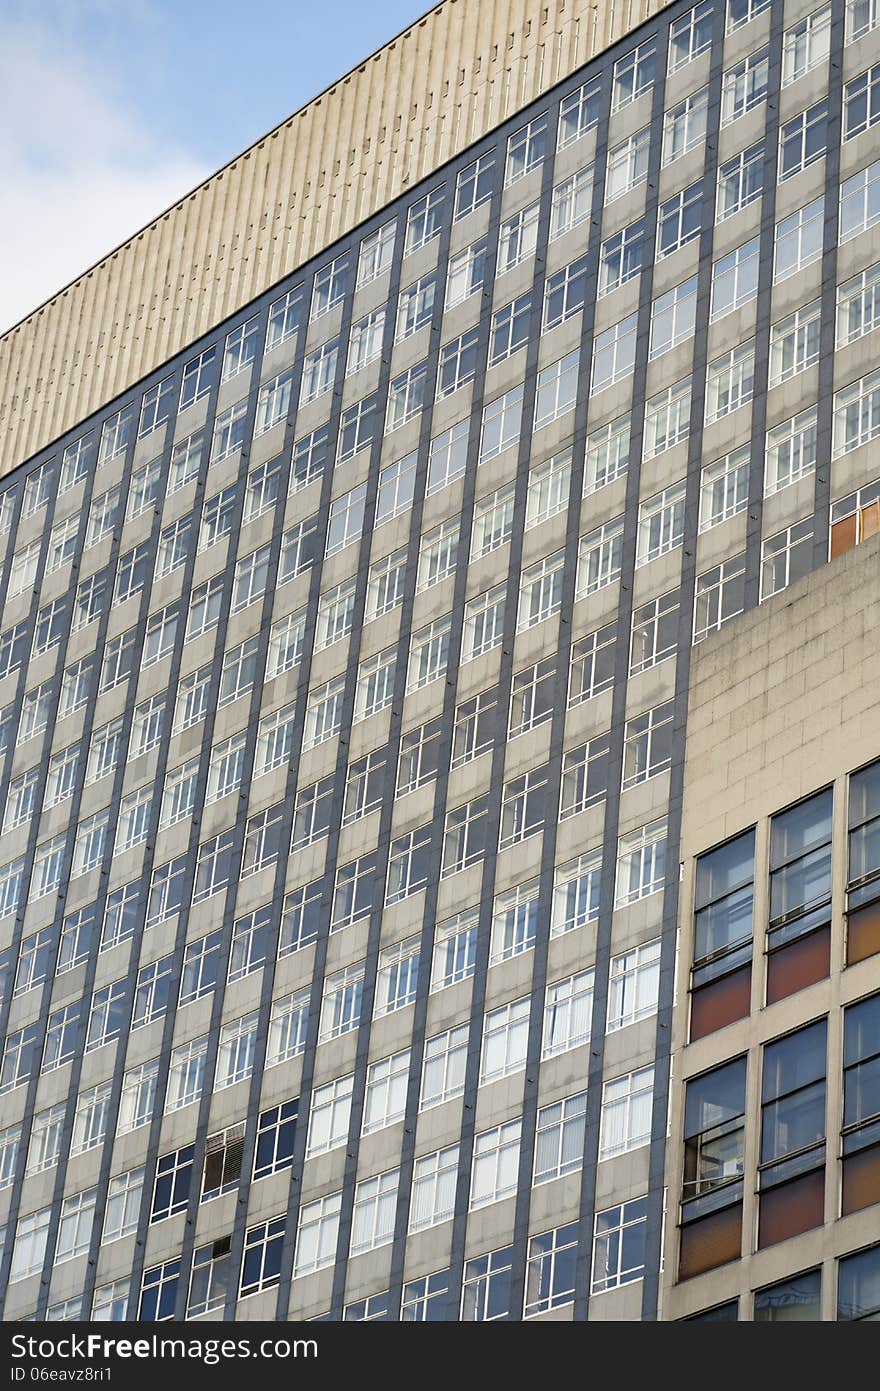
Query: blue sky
point(111, 109)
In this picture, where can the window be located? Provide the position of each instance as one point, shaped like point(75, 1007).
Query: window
point(178, 797)
point(261, 1263)
point(607, 455)
point(600, 558)
point(329, 286)
point(647, 748)
point(323, 714)
point(35, 961)
point(213, 866)
point(313, 813)
point(641, 861)
point(633, 985)
point(791, 451)
point(720, 595)
point(786, 557)
point(613, 353)
point(357, 426)
point(556, 389)
point(433, 1188)
point(273, 402)
point(792, 1124)
point(75, 462)
point(365, 341)
point(29, 1252)
point(217, 518)
point(514, 921)
point(526, 149)
point(572, 201)
point(251, 578)
point(744, 86)
point(505, 1039)
point(510, 328)
point(75, 684)
point(424, 1299)
point(564, 293)
point(408, 864)
point(730, 382)
point(10, 1139)
point(806, 45)
point(568, 1010)
point(396, 489)
point(159, 1292)
point(201, 963)
point(464, 841)
point(108, 1014)
point(740, 181)
point(458, 363)
point(476, 725)
point(690, 35)
point(443, 1067)
point(518, 237)
point(800, 890)
point(679, 220)
point(654, 632)
point(138, 1096)
point(858, 306)
point(346, 519)
point(429, 654)
point(375, 1206)
point(204, 607)
point(584, 777)
point(329, 1115)
point(123, 1207)
point(288, 1022)
point(455, 945)
point(235, 1057)
point(620, 257)
point(627, 164)
point(419, 758)
point(299, 920)
point(45, 1142)
point(376, 254)
point(540, 594)
point(186, 457)
point(858, 1296)
point(316, 1234)
point(447, 457)
point(192, 699)
point(496, 1163)
point(523, 806)
point(735, 279)
point(241, 348)
point(578, 113)
point(798, 240)
point(626, 1112)
point(634, 74)
point(474, 185)
point(250, 939)
point(341, 1009)
point(21, 802)
point(262, 840)
point(859, 202)
point(186, 1074)
point(438, 554)
point(276, 1130)
point(856, 414)
point(230, 431)
point(794, 343)
point(532, 696)
point(485, 1294)
point(21, 1052)
point(724, 488)
point(386, 1088)
point(661, 524)
point(353, 895)
point(576, 893)
point(550, 1273)
point(483, 623)
point(299, 549)
point(861, 100)
point(803, 140)
point(619, 1245)
point(48, 861)
point(151, 992)
point(559, 1138)
point(424, 219)
point(406, 396)
point(493, 521)
point(684, 125)
point(466, 272)
point(739, 12)
point(673, 315)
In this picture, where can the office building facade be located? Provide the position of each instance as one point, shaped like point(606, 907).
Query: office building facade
point(364, 947)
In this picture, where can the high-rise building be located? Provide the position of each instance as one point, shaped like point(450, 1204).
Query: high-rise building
point(413, 906)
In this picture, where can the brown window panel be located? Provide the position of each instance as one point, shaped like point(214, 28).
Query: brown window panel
point(863, 932)
point(792, 1208)
point(798, 964)
point(721, 1002)
point(843, 535)
point(861, 1180)
point(710, 1241)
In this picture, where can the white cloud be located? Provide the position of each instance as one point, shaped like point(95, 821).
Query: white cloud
point(79, 172)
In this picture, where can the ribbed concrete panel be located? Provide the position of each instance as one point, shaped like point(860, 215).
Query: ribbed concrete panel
point(418, 101)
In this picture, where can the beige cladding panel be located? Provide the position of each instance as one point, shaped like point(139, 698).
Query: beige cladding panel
point(445, 82)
